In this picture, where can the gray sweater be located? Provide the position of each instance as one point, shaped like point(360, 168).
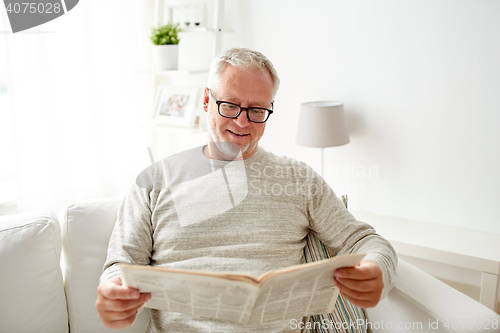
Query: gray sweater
point(247, 216)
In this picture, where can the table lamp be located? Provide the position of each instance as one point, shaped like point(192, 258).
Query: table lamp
point(322, 124)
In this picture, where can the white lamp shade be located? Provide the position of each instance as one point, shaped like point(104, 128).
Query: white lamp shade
point(322, 124)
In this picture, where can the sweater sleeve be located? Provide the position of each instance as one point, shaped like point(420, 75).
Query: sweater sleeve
point(131, 241)
point(341, 233)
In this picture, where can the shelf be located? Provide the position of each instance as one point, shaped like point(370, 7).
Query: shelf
point(151, 126)
point(202, 30)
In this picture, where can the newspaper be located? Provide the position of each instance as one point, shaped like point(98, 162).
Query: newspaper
point(292, 292)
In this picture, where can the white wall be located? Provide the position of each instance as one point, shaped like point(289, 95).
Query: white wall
point(421, 84)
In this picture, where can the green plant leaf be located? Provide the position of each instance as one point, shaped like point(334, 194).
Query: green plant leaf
point(165, 34)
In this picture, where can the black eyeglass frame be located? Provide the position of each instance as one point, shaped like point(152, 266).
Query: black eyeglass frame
point(270, 112)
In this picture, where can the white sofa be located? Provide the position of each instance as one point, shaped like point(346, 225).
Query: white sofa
point(44, 291)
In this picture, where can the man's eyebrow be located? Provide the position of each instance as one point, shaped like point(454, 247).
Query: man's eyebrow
point(254, 104)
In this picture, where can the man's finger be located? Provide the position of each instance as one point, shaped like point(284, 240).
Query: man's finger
point(360, 285)
point(113, 291)
point(364, 271)
point(359, 295)
point(111, 305)
point(117, 316)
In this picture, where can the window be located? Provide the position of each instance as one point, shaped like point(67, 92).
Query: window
point(8, 181)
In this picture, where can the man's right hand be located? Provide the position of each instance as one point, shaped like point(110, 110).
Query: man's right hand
point(118, 304)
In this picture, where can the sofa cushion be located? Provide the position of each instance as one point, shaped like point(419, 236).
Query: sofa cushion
point(86, 229)
point(346, 317)
point(31, 285)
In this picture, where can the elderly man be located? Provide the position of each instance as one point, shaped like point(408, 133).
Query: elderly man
point(264, 229)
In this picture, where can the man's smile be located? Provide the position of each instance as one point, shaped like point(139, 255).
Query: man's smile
point(238, 134)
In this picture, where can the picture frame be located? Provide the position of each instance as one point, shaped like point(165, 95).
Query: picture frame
point(176, 106)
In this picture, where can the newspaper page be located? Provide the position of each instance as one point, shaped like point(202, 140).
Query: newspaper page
point(293, 292)
point(196, 295)
point(300, 293)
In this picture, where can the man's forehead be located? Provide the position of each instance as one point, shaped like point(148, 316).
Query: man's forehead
point(238, 84)
point(227, 96)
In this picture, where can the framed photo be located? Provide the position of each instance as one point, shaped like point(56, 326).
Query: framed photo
point(176, 106)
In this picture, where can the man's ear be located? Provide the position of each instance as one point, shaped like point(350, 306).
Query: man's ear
point(206, 98)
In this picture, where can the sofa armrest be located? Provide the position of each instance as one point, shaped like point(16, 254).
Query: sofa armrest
point(420, 299)
point(31, 285)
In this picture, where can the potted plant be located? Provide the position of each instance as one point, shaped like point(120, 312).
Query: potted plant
point(166, 46)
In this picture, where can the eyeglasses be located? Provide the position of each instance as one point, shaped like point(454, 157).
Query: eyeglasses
point(231, 110)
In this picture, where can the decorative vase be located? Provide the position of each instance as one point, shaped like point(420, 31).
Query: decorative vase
point(166, 57)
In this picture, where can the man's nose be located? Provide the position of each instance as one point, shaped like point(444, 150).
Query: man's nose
point(242, 119)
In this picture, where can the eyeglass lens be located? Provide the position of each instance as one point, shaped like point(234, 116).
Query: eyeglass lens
point(254, 114)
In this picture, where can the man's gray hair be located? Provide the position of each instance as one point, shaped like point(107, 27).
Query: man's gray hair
point(242, 58)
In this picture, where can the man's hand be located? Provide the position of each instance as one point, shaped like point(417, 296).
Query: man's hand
point(361, 285)
point(118, 304)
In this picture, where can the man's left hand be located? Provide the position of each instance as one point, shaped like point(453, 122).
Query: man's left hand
point(362, 285)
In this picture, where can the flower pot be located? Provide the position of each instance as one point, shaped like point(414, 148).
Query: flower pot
point(166, 57)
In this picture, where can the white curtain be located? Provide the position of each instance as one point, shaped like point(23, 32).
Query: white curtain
point(78, 90)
